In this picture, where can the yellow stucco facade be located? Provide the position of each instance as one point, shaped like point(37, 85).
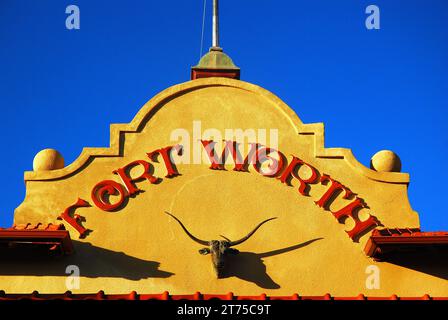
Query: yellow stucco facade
point(138, 247)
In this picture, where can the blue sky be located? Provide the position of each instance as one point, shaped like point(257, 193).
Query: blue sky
point(373, 89)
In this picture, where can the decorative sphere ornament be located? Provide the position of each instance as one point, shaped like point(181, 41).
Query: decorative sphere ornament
point(48, 159)
point(385, 161)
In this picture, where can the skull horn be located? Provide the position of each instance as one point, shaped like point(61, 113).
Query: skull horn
point(234, 243)
point(204, 243)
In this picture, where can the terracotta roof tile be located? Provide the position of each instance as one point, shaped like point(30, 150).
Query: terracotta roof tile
point(401, 232)
point(34, 236)
point(36, 226)
point(390, 240)
point(101, 295)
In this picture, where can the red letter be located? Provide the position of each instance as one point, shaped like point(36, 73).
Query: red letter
point(274, 168)
point(349, 211)
point(290, 172)
point(209, 146)
point(251, 156)
point(76, 220)
point(166, 156)
point(216, 162)
point(107, 188)
point(332, 191)
point(129, 182)
point(229, 147)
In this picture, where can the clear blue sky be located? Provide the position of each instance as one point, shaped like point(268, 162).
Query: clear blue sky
point(373, 89)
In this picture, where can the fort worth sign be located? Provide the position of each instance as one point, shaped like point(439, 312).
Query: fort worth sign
point(113, 201)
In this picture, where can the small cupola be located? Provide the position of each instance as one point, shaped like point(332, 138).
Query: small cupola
point(215, 63)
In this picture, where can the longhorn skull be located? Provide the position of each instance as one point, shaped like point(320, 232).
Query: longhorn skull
point(219, 249)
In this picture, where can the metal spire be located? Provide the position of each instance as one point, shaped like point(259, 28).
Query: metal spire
point(215, 63)
point(215, 36)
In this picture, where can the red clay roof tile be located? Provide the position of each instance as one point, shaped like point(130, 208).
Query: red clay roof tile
point(100, 295)
point(37, 226)
point(49, 235)
point(394, 239)
point(409, 232)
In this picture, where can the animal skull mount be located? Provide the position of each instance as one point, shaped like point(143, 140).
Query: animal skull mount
point(219, 249)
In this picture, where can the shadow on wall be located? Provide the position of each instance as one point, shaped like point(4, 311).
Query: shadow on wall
point(93, 262)
point(250, 266)
point(433, 262)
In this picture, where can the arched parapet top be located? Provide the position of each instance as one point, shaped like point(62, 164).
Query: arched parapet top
point(153, 105)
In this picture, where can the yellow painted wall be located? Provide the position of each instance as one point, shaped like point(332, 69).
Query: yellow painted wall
point(140, 248)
